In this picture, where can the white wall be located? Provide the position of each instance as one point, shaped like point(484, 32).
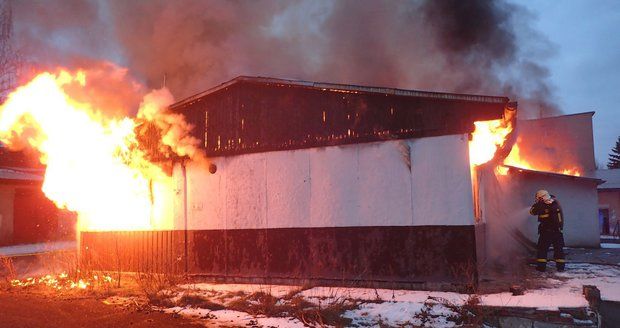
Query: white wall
point(353, 185)
point(509, 198)
point(558, 143)
point(579, 201)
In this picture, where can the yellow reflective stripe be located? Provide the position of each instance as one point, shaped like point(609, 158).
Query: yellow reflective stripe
point(541, 260)
point(560, 216)
point(543, 216)
point(560, 260)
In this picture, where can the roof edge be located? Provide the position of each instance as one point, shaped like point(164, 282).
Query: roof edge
point(553, 174)
point(345, 87)
point(558, 116)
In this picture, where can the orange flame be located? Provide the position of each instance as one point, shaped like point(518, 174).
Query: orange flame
point(486, 139)
point(516, 159)
point(489, 136)
point(94, 164)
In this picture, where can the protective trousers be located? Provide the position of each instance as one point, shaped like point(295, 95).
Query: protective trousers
point(546, 239)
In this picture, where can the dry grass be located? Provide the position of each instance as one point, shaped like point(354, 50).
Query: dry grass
point(157, 287)
point(8, 271)
point(263, 303)
point(470, 314)
point(198, 301)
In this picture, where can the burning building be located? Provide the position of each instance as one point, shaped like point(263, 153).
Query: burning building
point(553, 153)
point(263, 179)
point(322, 182)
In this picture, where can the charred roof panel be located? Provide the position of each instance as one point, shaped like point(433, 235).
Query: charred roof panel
point(248, 115)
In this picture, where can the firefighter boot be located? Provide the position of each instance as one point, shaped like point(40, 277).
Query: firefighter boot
point(541, 265)
point(559, 264)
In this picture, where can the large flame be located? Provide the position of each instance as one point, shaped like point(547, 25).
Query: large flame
point(489, 136)
point(94, 165)
point(486, 139)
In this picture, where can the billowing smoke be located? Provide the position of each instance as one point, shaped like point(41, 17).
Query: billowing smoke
point(482, 47)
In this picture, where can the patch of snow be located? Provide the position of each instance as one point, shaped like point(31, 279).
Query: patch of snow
point(544, 299)
point(402, 313)
point(605, 277)
point(371, 294)
point(408, 307)
point(610, 245)
point(234, 318)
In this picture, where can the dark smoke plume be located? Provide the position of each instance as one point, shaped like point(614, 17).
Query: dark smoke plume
point(483, 47)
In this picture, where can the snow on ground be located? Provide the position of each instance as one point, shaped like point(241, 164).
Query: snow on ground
point(610, 245)
point(404, 307)
point(565, 289)
point(234, 318)
point(371, 294)
point(30, 249)
point(402, 313)
point(605, 277)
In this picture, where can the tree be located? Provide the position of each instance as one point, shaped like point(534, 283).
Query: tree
point(614, 157)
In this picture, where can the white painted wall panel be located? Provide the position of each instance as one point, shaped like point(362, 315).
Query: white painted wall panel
point(204, 197)
point(385, 184)
point(354, 185)
point(245, 192)
point(334, 183)
point(510, 197)
point(441, 181)
point(288, 185)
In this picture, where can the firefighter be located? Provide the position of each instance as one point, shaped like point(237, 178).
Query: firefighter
point(551, 223)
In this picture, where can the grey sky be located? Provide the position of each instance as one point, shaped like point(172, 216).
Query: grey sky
point(585, 69)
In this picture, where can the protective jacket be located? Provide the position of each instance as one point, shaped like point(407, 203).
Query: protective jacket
point(550, 216)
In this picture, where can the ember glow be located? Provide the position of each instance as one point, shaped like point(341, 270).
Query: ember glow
point(63, 281)
point(95, 166)
point(486, 139)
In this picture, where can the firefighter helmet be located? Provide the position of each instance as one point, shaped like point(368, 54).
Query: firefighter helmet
point(543, 195)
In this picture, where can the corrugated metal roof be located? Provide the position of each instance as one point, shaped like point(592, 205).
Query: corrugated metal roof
point(21, 175)
point(611, 177)
point(346, 88)
point(553, 174)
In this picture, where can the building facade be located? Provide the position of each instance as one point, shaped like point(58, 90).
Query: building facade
point(327, 183)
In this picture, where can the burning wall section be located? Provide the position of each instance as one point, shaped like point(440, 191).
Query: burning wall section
point(389, 211)
point(555, 154)
point(95, 164)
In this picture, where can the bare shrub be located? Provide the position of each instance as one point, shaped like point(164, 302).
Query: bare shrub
point(471, 313)
point(8, 270)
point(155, 285)
point(198, 301)
point(468, 271)
point(296, 306)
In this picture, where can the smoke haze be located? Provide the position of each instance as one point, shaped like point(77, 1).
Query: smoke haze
point(481, 47)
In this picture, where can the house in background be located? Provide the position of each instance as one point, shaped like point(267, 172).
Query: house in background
point(26, 215)
point(609, 202)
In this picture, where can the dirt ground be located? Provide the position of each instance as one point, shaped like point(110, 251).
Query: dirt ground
point(19, 309)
